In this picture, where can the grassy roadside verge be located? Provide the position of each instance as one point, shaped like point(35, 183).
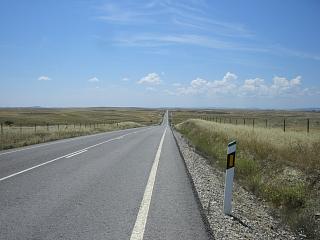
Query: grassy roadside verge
point(281, 168)
point(13, 139)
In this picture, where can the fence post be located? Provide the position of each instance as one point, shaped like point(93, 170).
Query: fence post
point(252, 123)
point(1, 128)
point(244, 121)
point(266, 123)
point(236, 121)
point(284, 125)
point(35, 127)
point(20, 129)
point(229, 120)
point(308, 125)
point(58, 126)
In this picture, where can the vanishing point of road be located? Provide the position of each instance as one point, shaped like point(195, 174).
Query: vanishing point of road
point(128, 184)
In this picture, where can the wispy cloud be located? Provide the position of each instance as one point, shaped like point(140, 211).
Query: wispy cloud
point(157, 40)
point(130, 14)
point(44, 78)
point(93, 79)
point(187, 23)
point(188, 15)
point(295, 53)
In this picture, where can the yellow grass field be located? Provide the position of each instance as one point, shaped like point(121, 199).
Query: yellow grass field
point(26, 126)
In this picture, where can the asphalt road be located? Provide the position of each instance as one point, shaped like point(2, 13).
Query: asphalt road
point(129, 184)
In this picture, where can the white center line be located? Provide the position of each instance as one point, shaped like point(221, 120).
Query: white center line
point(140, 224)
point(77, 153)
point(68, 155)
point(66, 140)
point(72, 153)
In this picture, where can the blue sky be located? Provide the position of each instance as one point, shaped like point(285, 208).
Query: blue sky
point(161, 53)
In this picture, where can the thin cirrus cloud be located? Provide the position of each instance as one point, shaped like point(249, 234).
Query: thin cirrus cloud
point(150, 40)
point(154, 40)
point(125, 14)
point(191, 15)
point(150, 79)
point(230, 85)
point(200, 29)
point(44, 78)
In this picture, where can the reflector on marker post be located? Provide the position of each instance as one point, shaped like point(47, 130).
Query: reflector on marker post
point(231, 157)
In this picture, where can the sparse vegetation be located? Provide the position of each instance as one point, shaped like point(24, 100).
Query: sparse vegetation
point(283, 168)
point(296, 121)
point(54, 116)
point(32, 126)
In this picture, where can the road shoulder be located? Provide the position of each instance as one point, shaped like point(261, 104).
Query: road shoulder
point(174, 212)
point(253, 218)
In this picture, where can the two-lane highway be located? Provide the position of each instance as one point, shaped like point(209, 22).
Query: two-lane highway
point(128, 184)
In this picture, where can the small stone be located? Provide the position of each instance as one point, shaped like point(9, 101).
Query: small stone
point(302, 235)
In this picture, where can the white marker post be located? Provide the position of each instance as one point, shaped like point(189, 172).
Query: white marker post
point(231, 157)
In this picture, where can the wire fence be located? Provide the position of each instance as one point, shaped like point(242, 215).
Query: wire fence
point(284, 124)
point(37, 128)
point(16, 136)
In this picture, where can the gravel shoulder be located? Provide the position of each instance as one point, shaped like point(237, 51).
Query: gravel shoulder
point(252, 218)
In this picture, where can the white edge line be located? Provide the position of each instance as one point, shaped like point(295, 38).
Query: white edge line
point(140, 224)
point(65, 156)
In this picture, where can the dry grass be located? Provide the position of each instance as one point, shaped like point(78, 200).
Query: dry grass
point(54, 116)
point(13, 138)
point(283, 168)
point(68, 122)
point(295, 120)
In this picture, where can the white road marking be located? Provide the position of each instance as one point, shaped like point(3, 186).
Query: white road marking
point(28, 169)
point(67, 155)
point(73, 153)
point(66, 140)
point(140, 224)
point(77, 153)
